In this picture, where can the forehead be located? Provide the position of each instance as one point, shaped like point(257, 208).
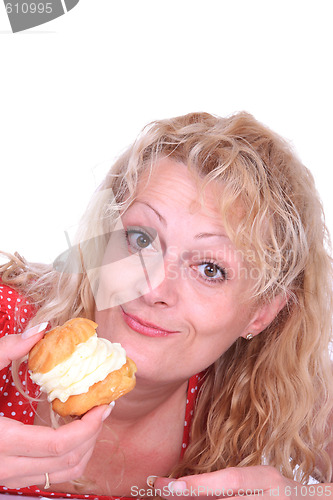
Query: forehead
point(173, 185)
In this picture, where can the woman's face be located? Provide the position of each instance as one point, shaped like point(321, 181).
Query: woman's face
point(196, 310)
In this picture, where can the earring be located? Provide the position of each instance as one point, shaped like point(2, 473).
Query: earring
point(249, 336)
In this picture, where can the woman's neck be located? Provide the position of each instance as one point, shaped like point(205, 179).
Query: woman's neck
point(146, 401)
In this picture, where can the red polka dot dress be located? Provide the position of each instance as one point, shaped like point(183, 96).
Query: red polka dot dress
point(15, 313)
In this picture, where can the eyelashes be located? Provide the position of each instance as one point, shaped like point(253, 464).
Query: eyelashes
point(140, 240)
point(213, 267)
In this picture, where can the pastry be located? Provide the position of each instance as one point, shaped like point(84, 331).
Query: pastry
point(79, 370)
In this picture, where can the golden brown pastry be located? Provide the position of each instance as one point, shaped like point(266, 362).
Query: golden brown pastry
point(79, 370)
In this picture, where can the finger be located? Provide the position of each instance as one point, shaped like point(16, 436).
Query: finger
point(231, 480)
point(60, 476)
point(17, 439)
point(28, 466)
point(16, 346)
point(75, 472)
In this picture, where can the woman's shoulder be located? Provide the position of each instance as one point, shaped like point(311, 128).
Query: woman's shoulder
point(15, 310)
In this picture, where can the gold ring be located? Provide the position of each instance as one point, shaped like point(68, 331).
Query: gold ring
point(47, 481)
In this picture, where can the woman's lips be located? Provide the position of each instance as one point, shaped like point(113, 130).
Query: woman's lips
point(144, 327)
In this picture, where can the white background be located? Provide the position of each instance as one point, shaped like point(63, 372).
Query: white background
point(76, 91)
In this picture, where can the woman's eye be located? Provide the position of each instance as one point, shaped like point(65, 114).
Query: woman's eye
point(212, 272)
point(138, 240)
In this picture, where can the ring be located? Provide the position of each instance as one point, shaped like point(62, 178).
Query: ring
point(47, 481)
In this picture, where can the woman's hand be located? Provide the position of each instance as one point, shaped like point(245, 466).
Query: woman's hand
point(27, 452)
point(13, 347)
point(238, 482)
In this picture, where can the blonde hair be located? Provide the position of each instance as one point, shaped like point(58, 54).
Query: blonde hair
point(264, 401)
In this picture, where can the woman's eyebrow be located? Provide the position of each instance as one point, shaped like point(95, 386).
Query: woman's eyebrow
point(198, 236)
point(209, 235)
point(162, 219)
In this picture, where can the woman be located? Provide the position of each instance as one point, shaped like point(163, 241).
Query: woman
point(228, 320)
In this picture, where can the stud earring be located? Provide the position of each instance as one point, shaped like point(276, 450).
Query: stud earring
point(249, 336)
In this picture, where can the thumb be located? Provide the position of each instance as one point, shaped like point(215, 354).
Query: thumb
point(13, 347)
point(98, 414)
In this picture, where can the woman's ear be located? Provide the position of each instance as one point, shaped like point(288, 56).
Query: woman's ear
point(265, 314)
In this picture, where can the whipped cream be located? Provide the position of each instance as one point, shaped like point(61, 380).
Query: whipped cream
point(90, 363)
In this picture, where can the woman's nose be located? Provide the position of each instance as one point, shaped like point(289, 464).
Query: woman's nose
point(164, 287)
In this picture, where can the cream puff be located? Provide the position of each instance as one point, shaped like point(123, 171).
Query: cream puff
point(79, 370)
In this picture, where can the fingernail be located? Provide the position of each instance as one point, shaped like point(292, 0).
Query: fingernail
point(34, 330)
point(177, 486)
point(111, 405)
point(107, 411)
point(151, 480)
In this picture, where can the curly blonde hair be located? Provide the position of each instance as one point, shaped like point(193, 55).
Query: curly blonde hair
point(264, 401)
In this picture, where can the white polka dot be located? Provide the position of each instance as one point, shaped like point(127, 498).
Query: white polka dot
point(13, 413)
point(9, 306)
point(10, 292)
point(184, 445)
point(9, 404)
point(23, 320)
point(9, 299)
